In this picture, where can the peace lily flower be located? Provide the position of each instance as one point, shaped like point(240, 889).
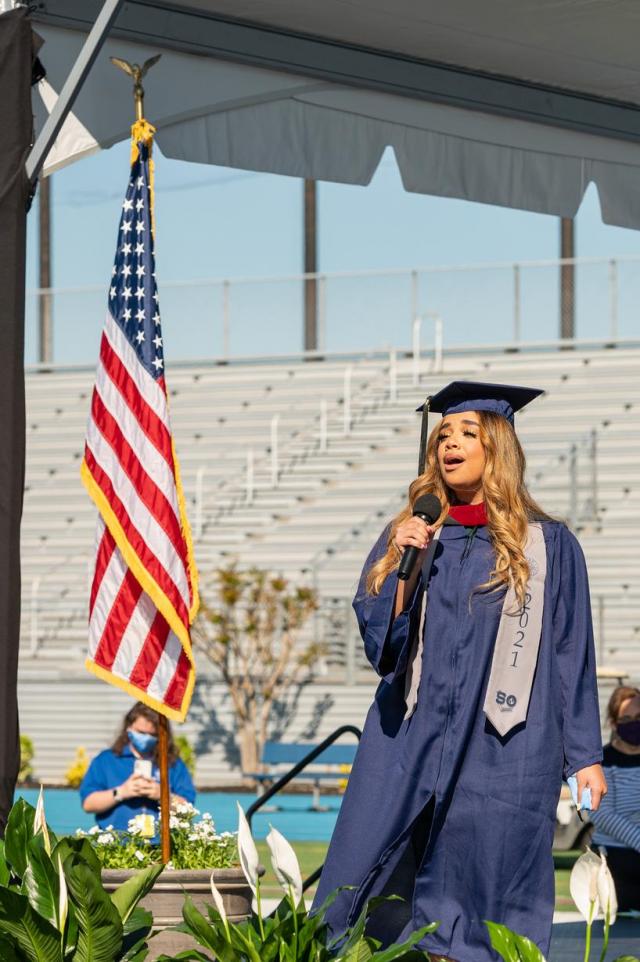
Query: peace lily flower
point(249, 860)
point(285, 865)
point(217, 898)
point(247, 849)
point(40, 822)
point(606, 890)
point(593, 891)
point(63, 897)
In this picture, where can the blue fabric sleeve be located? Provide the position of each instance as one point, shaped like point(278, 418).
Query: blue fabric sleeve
point(180, 781)
point(575, 649)
point(95, 779)
point(617, 826)
point(386, 639)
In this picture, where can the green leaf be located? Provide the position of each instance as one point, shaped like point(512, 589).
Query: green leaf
point(503, 942)
point(81, 847)
point(402, 948)
point(627, 958)
point(209, 936)
point(137, 953)
point(126, 896)
point(35, 937)
point(99, 925)
point(361, 952)
point(19, 833)
point(5, 872)
point(41, 883)
point(529, 951)
point(8, 950)
point(136, 932)
point(356, 932)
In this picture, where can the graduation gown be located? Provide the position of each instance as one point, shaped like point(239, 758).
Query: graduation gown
point(439, 808)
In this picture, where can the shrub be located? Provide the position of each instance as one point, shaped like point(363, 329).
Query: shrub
point(26, 757)
point(186, 753)
point(78, 768)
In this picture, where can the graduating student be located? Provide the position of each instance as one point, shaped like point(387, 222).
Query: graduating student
point(488, 697)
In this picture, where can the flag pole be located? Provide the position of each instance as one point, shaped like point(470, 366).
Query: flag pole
point(165, 794)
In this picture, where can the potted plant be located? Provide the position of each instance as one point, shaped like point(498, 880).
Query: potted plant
point(53, 907)
point(290, 934)
point(197, 851)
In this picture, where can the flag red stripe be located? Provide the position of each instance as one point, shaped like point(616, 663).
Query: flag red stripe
point(178, 684)
point(117, 621)
point(103, 557)
point(150, 653)
point(157, 571)
point(152, 426)
point(146, 489)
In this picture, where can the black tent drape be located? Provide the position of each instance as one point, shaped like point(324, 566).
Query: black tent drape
point(16, 56)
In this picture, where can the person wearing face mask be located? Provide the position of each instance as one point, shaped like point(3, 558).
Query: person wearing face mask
point(487, 697)
point(124, 781)
point(617, 821)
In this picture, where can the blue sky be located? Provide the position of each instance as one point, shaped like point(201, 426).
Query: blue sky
point(216, 222)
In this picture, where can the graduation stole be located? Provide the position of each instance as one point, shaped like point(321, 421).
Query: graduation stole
point(515, 652)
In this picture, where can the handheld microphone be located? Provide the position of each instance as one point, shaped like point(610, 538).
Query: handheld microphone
point(428, 508)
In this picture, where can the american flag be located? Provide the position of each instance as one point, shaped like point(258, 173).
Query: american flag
point(144, 592)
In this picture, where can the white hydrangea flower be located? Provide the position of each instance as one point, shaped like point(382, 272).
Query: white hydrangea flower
point(95, 830)
point(139, 855)
point(106, 838)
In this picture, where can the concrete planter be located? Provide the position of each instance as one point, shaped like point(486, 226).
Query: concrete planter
point(167, 897)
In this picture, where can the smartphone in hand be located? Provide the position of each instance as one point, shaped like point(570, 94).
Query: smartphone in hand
point(142, 766)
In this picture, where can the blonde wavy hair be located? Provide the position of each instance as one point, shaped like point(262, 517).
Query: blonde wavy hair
point(508, 504)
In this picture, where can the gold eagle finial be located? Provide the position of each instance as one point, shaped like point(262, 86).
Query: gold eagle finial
point(137, 72)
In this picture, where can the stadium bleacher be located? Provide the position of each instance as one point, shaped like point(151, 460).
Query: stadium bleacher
point(346, 440)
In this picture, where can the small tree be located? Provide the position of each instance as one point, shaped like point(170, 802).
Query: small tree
point(250, 630)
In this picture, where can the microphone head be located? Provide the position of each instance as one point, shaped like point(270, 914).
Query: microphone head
point(429, 507)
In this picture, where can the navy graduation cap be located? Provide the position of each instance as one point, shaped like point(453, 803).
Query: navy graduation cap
point(504, 399)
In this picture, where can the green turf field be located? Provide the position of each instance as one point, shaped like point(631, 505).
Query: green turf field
point(311, 855)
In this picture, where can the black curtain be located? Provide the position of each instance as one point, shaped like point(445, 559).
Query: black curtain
point(16, 61)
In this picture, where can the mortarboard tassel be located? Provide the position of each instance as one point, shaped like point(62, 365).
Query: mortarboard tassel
point(424, 433)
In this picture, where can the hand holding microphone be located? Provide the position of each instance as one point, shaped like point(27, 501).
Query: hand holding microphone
point(414, 534)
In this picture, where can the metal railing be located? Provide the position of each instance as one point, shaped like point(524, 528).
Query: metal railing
point(293, 772)
point(506, 301)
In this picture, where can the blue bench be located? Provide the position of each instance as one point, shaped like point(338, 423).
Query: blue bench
point(275, 755)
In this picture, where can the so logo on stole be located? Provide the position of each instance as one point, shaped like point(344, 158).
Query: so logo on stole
point(507, 702)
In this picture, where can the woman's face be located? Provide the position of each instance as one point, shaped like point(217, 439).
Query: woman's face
point(143, 725)
point(629, 710)
point(461, 456)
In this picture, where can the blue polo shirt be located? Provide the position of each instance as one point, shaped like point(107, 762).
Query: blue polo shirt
point(108, 770)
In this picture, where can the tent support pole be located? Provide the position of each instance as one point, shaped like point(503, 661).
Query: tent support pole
point(73, 84)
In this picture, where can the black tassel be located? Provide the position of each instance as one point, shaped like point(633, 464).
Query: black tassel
point(424, 436)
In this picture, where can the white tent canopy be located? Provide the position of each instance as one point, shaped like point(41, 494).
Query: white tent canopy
point(518, 103)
